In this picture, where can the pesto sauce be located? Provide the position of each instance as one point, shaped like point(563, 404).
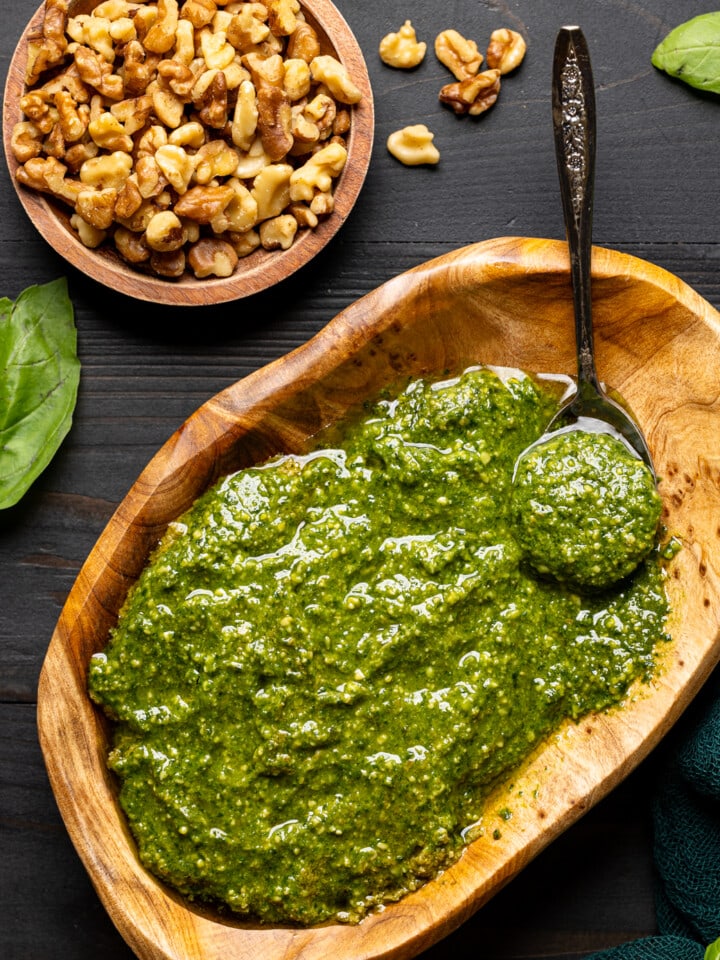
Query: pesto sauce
point(586, 509)
point(333, 658)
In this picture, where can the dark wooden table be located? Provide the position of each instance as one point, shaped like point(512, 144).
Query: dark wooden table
point(146, 369)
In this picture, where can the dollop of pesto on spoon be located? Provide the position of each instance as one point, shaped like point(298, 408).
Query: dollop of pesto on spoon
point(587, 509)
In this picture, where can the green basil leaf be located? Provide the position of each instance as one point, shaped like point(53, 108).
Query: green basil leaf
point(691, 52)
point(39, 376)
point(713, 951)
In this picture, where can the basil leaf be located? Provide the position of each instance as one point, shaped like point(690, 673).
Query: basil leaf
point(39, 376)
point(691, 52)
point(713, 951)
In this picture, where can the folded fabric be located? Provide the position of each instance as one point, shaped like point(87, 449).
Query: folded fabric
point(686, 845)
point(654, 948)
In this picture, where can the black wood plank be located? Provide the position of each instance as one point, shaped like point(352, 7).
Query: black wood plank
point(146, 369)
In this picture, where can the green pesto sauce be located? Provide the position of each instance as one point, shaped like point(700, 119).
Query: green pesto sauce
point(333, 658)
point(587, 510)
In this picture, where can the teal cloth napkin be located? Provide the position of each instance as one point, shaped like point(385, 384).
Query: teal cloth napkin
point(686, 840)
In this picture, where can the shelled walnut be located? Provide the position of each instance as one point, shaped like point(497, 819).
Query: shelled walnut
point(506, 50)
point(474, 95)
point(175, 129)
point(475, 92)
point(459, 55)
point(413, 146)
point(402, 49)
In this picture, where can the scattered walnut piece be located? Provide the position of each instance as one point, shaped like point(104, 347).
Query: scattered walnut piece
point(172, 128)
point(473, 96)
point(402, 49)
point(413, 146)
point(460, 56)
point(473, 92)
point(506, 50)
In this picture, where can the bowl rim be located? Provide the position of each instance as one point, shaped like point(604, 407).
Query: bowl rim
point(255, 273)
point(416, 922)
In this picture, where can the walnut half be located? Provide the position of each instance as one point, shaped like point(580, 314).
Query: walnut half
point(473, 96)
point(506, 50)
point(460, 56)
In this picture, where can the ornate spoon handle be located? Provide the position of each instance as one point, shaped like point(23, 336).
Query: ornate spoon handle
point(573, 107)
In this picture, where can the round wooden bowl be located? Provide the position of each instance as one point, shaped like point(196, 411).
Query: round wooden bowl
point(502, 302)
point(260, 270)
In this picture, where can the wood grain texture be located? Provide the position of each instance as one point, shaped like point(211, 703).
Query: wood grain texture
point(505, 302)
point(147, 367)
point(260, 270)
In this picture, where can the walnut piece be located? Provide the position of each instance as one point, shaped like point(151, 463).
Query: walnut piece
point(506, 50)
point(271, 190)
point(161, 36)
point(281, 16)
point(402, 49)
point(244, 243)
point(473, 96)
point(460, 56)
point(297, 79)
point(97, 207)
point(212, 258)
point(90, 236)
point(413, 146)
point(317, 172)
point(278, 233)
point(168, 263)
point(203, 204)
point(164, 232)
point(245, 116)
point(273, 104)
point(26, 141)
point(199, 12)
point(334, 75)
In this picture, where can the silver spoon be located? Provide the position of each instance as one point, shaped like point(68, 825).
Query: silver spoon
point(573, 109)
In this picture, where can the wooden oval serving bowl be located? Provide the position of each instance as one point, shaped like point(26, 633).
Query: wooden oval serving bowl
point(260, 270)
point(503, 302)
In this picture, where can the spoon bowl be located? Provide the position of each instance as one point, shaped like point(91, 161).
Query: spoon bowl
point(573, 110)
point(596, 412)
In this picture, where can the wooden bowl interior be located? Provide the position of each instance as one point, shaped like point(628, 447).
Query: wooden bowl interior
point(504, 302)
point(262, 268)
